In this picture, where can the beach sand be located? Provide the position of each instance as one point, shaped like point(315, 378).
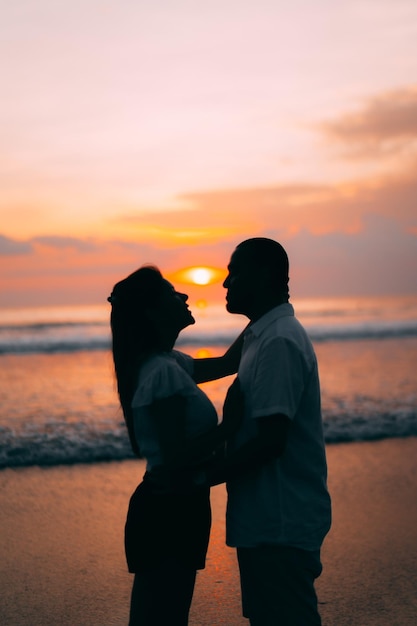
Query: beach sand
point(62, 560)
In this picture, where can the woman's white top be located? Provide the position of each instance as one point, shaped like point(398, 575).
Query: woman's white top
point(163, 375)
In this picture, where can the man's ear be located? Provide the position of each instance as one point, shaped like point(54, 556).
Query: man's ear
point(264, 278)
point(150, 313)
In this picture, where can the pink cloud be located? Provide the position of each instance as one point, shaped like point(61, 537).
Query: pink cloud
point(386, 124)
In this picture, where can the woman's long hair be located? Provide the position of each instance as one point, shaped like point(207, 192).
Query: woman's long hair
point(133, 335)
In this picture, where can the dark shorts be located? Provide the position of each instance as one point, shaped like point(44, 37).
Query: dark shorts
point(162, 527)
point(278, 585)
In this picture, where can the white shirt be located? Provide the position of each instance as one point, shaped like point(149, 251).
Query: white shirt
point(286, 501)
point(161, 376)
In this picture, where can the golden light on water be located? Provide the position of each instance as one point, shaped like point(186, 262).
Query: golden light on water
point(199, 275)
point(203, 353)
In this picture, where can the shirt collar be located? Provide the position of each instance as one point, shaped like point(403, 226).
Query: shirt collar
point(282, 310)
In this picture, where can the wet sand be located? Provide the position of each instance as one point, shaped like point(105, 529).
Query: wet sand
point(62, 560)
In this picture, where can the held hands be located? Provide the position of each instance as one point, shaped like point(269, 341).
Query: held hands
point(233, 408)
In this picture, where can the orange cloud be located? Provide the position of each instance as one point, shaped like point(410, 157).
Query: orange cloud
point(186, 225)
point(321, 209)
point(61, 270)
point(381, 258)
point(235, 214)
point(340, 237)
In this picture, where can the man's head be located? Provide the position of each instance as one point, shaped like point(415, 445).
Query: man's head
point(258, 277)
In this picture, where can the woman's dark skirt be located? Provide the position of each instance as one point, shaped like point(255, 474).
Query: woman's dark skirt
point(168, 526)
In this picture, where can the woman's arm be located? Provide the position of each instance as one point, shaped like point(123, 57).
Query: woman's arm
point(218, 367)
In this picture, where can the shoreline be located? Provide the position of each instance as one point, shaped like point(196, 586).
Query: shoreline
point(62, 559)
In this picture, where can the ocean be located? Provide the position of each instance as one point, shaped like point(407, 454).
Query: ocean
point(59, 403)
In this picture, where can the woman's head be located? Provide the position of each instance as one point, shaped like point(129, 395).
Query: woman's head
point(147, 315)
point(130, 300)
point(148, 309)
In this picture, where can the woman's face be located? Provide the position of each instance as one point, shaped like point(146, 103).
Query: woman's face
point(173, 308)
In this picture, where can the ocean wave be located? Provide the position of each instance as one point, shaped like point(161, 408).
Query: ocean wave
point(368, 331)
point(63, 444)
point(75, 337)
point(54, 346)
point(347, 428)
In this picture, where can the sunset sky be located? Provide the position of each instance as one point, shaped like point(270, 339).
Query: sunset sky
point(168, 131)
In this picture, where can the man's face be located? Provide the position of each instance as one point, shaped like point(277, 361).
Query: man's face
point(240, 284)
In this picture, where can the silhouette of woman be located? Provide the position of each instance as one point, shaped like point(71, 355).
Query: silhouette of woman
point(174, 426)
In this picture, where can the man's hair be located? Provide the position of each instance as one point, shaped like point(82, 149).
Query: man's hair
point(270, 255)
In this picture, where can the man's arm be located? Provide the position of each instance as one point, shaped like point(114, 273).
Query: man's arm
point(218, 367)
point(269, 444)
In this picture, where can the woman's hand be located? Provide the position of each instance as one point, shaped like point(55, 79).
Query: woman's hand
point(233, 408)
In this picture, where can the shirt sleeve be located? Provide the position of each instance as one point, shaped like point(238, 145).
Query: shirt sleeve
point(185, 361)
point(278, 381)
point(165, 379)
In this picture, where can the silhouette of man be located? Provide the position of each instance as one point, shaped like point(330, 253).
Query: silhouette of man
point(278, 509)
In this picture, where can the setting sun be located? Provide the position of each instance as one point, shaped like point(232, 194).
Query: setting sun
point(199, 275)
